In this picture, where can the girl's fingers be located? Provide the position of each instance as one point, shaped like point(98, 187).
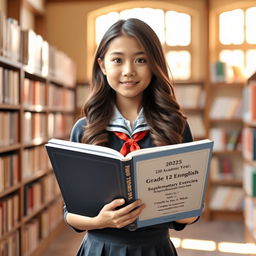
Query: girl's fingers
point(129, 207)
point(133, 214)
point(110, 217)
point(114, 204)
point(130, 217)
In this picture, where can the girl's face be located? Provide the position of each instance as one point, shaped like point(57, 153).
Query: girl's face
point(126, 68)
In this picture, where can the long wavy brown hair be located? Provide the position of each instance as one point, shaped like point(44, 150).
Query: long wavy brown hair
point(161, 109)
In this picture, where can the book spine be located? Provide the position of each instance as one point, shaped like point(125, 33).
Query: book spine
point(129, 189)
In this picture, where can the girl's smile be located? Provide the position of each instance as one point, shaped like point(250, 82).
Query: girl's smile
point(129, 83)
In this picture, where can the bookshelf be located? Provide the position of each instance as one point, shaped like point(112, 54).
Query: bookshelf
point(191, 97)
point(225, 193)
point(249, 156)
point(224, 126)
point(37, 102)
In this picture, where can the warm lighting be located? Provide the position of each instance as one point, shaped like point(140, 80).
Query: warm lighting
point(250, 62)
point(250, 17)
point(153, 17)
point(38, 140)
point(207, 245)
point(232, 58)
point(232, 27)
point(201, 245)
point(28, 115)
point(176, 241)
point(38, 108)
point(178, 29)
point(103, 23)
point(238, 248)
point(179, 63)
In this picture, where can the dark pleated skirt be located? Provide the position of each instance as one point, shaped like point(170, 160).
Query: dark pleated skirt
point(153, 242)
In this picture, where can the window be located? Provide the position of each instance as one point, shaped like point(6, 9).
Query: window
point(237, 40)
point(173, 29)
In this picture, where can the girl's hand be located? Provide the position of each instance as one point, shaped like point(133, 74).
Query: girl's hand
point(109, 217)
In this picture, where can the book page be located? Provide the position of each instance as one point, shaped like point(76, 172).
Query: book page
point(171, 184)
point(86, 148)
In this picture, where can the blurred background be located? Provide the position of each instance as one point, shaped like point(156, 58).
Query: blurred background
point(46, 51)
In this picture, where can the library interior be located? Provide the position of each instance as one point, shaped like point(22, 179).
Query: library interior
point(46, 53)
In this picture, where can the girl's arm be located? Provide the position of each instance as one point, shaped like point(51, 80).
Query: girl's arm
point(187, 220)
point(108, 217)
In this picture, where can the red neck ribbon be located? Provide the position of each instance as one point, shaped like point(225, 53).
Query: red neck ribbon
point(130, 144)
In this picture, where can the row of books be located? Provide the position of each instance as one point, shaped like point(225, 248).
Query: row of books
point(226, 139)
point(59, 125)
point(10, 38)
point(11, 245)
point(9, 86)
point(9, 171)
point(31, 49)
point(34, 93)
point(34, 160)
point(249, 143)
point(60, 98)
point(8, 128)
point(221, 72)
point(34, 52)
point(190, 95)
point(38, 193)
point(249, 101)
point(47, 60)
point(222, 169)
point(250, 214)
point(249, 179)
point(9, 213)
point(227, 198)
point(218, 72)
point(51, 217)
point(30, 236)
point(61, 67)
point(249, 153)
point(40, 227)
point(53, 96)
point(33, 231)
point(226, 107)
point(35, 127)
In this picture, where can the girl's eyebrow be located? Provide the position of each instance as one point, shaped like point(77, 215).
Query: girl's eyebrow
point(121, 53)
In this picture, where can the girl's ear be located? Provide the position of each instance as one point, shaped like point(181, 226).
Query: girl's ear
point(102, 66)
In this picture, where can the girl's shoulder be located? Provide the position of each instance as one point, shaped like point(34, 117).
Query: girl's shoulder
point(78, 130)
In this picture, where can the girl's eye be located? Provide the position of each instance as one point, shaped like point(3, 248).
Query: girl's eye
point(117, 60)
point(141, 60)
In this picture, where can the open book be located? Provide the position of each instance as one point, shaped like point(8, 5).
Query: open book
point(170, 180)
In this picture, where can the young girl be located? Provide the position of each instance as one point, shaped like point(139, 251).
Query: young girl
point(131, 106)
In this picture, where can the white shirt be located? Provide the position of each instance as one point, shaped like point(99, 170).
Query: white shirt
point(119, 124)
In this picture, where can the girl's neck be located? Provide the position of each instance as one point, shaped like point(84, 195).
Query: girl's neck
point(129, 108)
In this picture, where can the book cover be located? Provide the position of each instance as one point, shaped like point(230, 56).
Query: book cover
point(170, 180)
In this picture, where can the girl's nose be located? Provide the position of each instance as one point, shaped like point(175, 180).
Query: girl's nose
point(128, 70)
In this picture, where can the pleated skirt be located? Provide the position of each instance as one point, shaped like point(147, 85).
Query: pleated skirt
point(154, 242)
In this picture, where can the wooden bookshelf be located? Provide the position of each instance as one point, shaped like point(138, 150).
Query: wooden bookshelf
point(225, 128)
point(191, 97)
point(34, 107)
point(227, 215)
point(249, 157)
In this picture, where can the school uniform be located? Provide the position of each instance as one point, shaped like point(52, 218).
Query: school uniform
point(148, 241)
